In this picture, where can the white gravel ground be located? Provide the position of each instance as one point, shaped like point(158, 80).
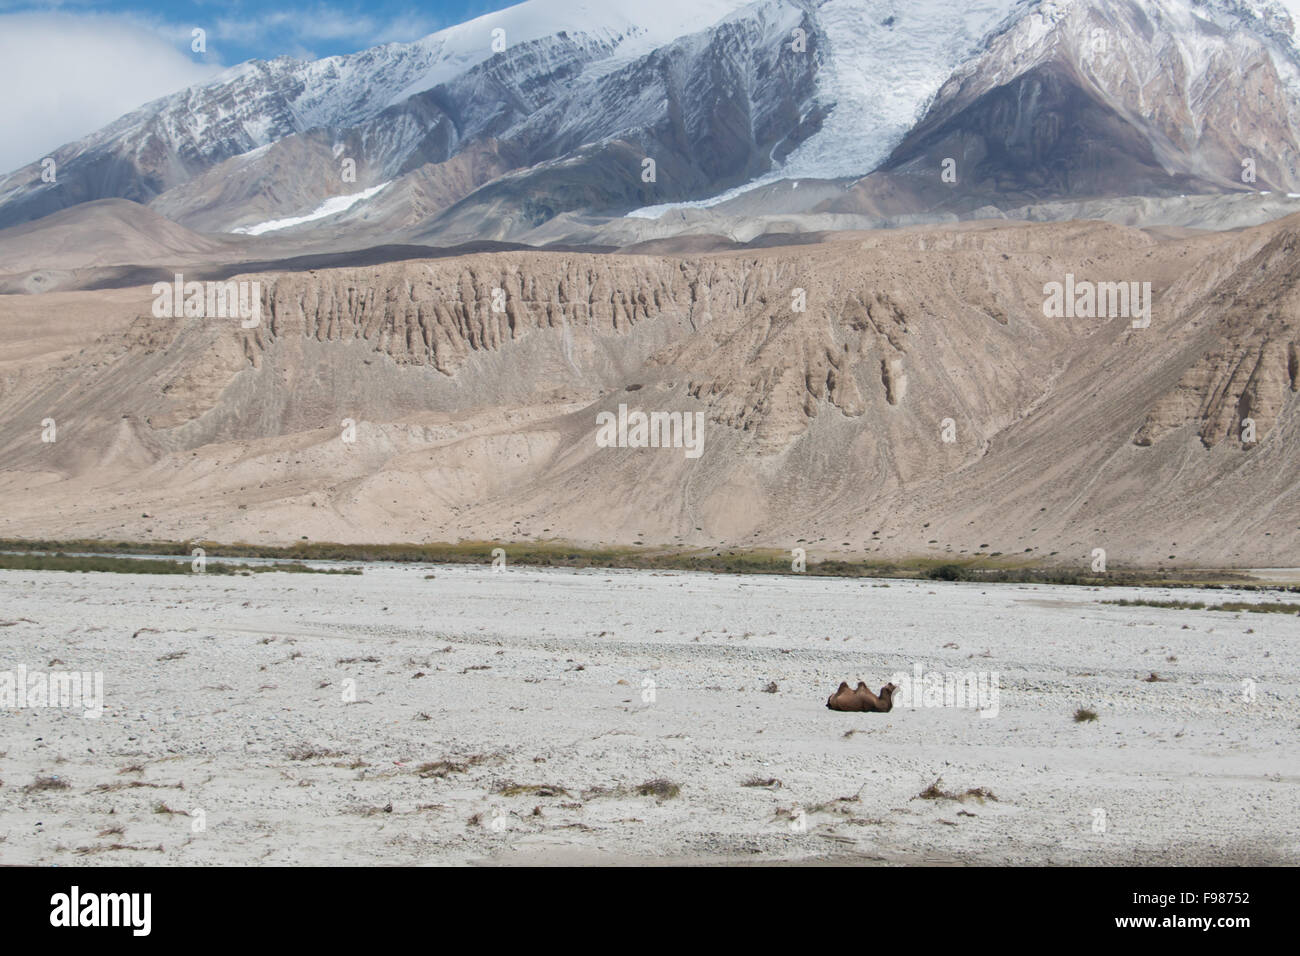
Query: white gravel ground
point(214, 684)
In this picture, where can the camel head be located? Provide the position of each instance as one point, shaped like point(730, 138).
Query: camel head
point(888, 690)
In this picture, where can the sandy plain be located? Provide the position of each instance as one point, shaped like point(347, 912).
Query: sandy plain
point(454, 715)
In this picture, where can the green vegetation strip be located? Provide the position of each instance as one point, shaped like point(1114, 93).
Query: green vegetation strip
point(68, 562)
point(979, 569)
point(1261, 608)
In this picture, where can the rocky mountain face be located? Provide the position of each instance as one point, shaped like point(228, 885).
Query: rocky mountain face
point(923, 112)
point(1090, 99)
point(269, 138)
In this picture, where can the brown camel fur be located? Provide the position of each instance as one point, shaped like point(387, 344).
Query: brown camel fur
point(862, 699)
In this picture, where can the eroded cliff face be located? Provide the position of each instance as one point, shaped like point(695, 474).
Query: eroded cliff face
point(898, 393)
point(1248, 328)
point(768, 342)
point(439, 316)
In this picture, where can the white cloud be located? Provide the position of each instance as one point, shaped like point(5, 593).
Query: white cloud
point(67, 75)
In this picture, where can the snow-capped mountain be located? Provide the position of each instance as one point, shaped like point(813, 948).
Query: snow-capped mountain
point(252, 106)
point(550, 109)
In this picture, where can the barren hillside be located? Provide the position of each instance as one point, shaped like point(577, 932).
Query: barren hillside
point(824, 427)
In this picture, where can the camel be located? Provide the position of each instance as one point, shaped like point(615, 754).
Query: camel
point(862, 699)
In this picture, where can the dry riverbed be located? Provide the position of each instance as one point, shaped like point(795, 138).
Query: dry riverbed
point(540, 716)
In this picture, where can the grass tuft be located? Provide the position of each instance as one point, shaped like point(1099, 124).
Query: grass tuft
point(660, 787)
point(511, 789)
point(936, 792)
point(309, 752)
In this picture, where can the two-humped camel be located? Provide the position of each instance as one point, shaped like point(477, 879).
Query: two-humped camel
point(862, 698)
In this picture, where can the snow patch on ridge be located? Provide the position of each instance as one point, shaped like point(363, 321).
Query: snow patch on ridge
point(335, 204)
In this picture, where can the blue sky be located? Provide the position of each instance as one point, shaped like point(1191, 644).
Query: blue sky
point(72, 66)
point(239, 30)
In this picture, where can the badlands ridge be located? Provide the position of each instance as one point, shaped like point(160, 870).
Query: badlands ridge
point(920, 403)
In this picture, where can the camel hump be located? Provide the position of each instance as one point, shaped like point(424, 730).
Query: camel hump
point(844, 686)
